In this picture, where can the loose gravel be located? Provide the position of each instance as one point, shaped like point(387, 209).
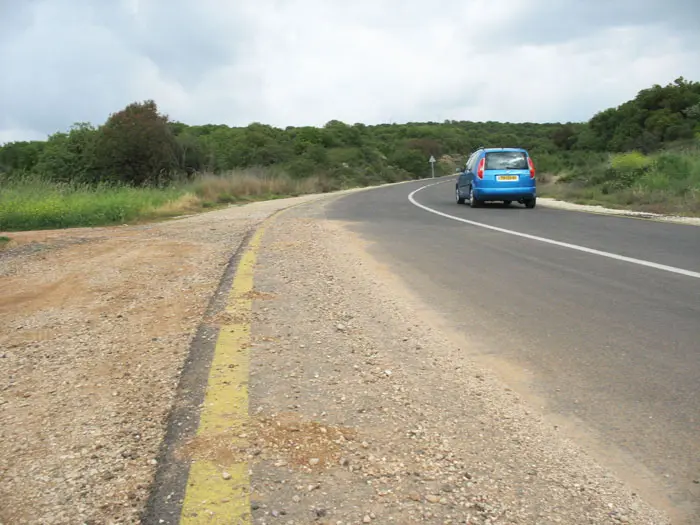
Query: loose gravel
point(411, 430)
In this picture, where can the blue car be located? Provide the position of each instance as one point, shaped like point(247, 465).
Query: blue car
point(498, 174)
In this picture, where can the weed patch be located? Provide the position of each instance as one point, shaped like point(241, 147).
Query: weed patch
point(668, 182)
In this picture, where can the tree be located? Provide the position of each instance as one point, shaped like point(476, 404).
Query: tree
point(192, 156)
point(656, 115)
point(20, 156)
point(564, 136)
point(426, 146)
point(412, 161)
point(137, 146)
point(70, 157)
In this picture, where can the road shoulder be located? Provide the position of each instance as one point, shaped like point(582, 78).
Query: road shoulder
point(557, 204)
point(363, 411)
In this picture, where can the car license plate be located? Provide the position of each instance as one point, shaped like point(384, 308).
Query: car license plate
point(507, 177)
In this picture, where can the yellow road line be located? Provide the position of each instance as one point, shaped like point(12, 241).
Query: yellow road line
point(218, 485)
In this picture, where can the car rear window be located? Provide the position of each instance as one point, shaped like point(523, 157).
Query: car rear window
point(506, 160)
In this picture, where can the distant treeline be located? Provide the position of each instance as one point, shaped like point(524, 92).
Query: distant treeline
point(140, 146)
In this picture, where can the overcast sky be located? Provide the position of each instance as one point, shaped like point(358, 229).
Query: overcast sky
point(305, 62)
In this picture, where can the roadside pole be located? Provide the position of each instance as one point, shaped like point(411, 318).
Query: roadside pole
point(432, 166)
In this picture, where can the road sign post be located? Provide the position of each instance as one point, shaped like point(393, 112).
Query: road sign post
point(432, 166)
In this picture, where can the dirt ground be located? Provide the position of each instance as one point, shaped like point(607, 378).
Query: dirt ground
point(95, 326)
point(362, 410)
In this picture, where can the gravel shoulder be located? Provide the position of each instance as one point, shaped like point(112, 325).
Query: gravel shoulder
point(365, 411)
point(96, 325)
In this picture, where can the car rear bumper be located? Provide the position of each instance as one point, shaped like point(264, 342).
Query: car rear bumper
point(500, 194)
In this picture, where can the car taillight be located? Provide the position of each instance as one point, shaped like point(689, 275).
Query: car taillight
point(480, 169)
point(532, 167)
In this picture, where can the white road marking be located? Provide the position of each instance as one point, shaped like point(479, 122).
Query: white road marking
point(640, 262)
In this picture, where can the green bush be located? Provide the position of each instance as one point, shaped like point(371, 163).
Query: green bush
point(666, 182)
point(633, 161)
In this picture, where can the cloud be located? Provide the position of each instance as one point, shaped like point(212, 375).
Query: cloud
point(299, 62)
point(552, 21)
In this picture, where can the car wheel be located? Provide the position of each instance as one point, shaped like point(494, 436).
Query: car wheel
point(507, 203)
point(473, 202)
point(530, 203)
point(460, 200)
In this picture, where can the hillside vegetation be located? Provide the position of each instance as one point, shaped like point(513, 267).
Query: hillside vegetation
point(141, 165)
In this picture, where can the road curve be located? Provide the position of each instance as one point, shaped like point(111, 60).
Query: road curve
point(608, 336)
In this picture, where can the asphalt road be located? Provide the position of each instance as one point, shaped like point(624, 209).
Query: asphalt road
point(609, 348)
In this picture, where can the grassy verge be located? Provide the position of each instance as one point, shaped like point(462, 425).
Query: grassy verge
point(667, 182)
point(4, 241)
point(33, 203)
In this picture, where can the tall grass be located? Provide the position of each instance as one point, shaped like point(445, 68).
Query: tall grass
point(241, 186)
point(32, 202)
point(35, 203)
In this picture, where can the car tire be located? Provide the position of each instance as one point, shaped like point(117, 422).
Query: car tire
point(460, 200)
point(474, 203)
point(530, 203)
